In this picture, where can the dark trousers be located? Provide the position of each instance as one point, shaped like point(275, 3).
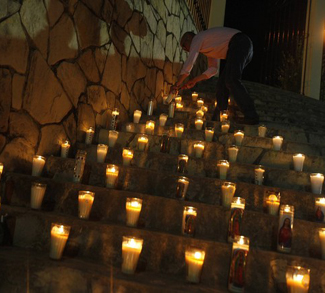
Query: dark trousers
point(240, 53)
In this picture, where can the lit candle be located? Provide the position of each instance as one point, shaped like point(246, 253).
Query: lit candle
point(1, 169)
point(228, 190)
point(150, 127)
point(199, 148)
point(137, 116)
point(240, 249)
point(142, 142)
point(209, 132)
point(239, 136)
point(37, 195)
point(284, 239)
point(165, 97)
point(259, 175)
point(215, 104)
point(232, 153)
point(223, 166)
point(223, 116)
point(85, 200)
point(194, 96)
point(182, 186)
point(225, 126)
point(129, 127)
point(127, 155)
point(298, 279)
point(237, 208)
point(322, 241)
point(171, 110)
point(179, 106)
point(163, 119)
point(111, 175)
point(194, 259)
point(150, 108)
point(316, 180)
point(133, 209)
point(178, 99)
point(79, 166)
point(199, 113)
point(198, 123)
point(112, 138)
point(115, 115)
point(131, 249)
point(204, 109)
point(320, 209)
point(298, 162)
point(189, 218)
point(179, 129)
point(101, 152)
point(65, 149)
point(277, 142)
point(273, 203)
point(89, 135)
point(38, 165)
point(182, 163)
point(262, 131)
point(59, 237)
point(200, 102)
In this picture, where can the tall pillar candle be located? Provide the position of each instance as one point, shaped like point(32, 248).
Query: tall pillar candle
point(223, 116)
point(79, 166)
point(163, 119)
point(223, 166)
point(194, 259)
point(182, 186)
point(127, 156)
point(101, 152)
point(111, 175)
point(189, 219)
point(232, 153)
point(171, 110)
point(131, 250)
point(179, 129)
point(209, 133)
point(142, 142)
point(137, 116)
point(114, 121)
point(239, 136)
point(198, 149)
point(321, 234)
point(150, 127)
point(228, 190)
point(112, 138)
point(37, 194)
point(320, 209)
point(225, 127)
point(277, 142)
point(262, 131)
point(195, 95)
point(59, 237)
point(316, 180)
point(298, 279)
point(38, 165)
point(89, 135)
point(237, 208)
point(298, 162)
point(85, 203)
point(285, 229)
point(272, 203)
point(133, 208)
point(259, 175)
point(182, 163)
point(198, 123)
point(65, 149)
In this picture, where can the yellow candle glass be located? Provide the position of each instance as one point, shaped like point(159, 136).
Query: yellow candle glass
point(199, 148)
point(59, 237)
point(89, 135)
point(85, 203)
point(137, 116)
point(38, 165)
point(223, 166)
point(133, 209)
point(131, 250)
point(101, 152)
point(298, 279)
point(179, 129)
point(142, 142)
point(65, 149)
point(194, 259)
point(198, 123)
point(127, 156)
point(112, 172)
point(239, 136)
point(150, 127)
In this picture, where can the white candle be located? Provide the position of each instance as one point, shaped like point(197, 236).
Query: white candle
point(179, 106)
point(194, 259)
point(142, 142)
point(225, 127)
point(199, 148)
point(111, 175)
point(259, 175)
point(200, 102)
point(298, 279)
point(182, 186)
point(129, 127)
point(37, 195)
point(316, 180)
point(127, 155)
point(150, 127)
point(179, 129)
point(115, 115)
point(199, 113)
point(285, 228)
point(237, 208)
point(239, 136)
point(101, 152)
point(277, 142)
point(133, 209)
point(194, 96)
point(322, 241)
point(320, 209)
point(38, 165)
point(163, 119)
point(131, 249)
point(85, 200)
point(223, 166)
point(59, 237)
point(65, 149)
point(198, 123)
point(137, 116)
point(232, 153)
point(182, 163)
point(209, 133)
point(223, 116)
point(89, 135)
point(189, 219)
point(262, 131)
point(273, 204)
point(112, 138)
point(298, 162)
point(228, 190)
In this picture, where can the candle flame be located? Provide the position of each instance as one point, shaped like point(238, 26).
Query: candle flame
point(298, 277)
point(322, 200)
point(197, 254)
point(241, 240)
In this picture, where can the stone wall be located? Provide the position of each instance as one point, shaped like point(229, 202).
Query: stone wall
point(65, 64)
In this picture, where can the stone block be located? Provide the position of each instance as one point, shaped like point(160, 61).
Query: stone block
point(18, 82)
point(97, 98)
point(5, 101)
point(86, 119)
point(8, 8)
point(54, 10)
point(70, 127)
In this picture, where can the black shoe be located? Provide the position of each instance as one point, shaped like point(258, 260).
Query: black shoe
point(248, 121)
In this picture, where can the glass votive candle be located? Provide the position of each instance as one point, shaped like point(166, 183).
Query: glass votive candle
point(223, 116)
point(133, 208)
point(85, 201)
point(137, 116)
point(38, 165)
point(179, 129)
point(127, 156)
point(129, 127)
point(228, 190)
point(194, 259)
point(179, 106)
point(316, 180)
point(163, 119)
point(237, 208)
point(277, 142)
point(182, 186)
point(165, 143)
point(37, 194)
point(171, 110)
point(189, 219)
point(321, 234)
point(65, 149)
point(198, 149)
point(178, 99)
point(112, 138)
point(285, 228)
point(150, 127)
point(131, 250)
point(298, 279)
point(225, 126)
point(79, 165)
point(89, 135)
point(114, 121)
point(204, 108)
point(223, 166)
point(142, 142)
point(111, 175)
point(320, 209)
point(209, 133)
point(200, 102)
point(101, 152)
point(272, 202)
point(298, 162)
point(199, 113)
point(262, 130)
point(195, 95)
point(259, 175)
point(182, 163)
point(239, 136)
point(232, 153)
point(198, 123)
point(59, 237)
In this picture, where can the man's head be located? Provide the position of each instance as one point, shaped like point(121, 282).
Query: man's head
point(186, 41)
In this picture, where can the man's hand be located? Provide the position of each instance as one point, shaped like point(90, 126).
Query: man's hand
point(189, 84)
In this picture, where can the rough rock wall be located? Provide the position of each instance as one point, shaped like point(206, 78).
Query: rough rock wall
point(65, 64)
